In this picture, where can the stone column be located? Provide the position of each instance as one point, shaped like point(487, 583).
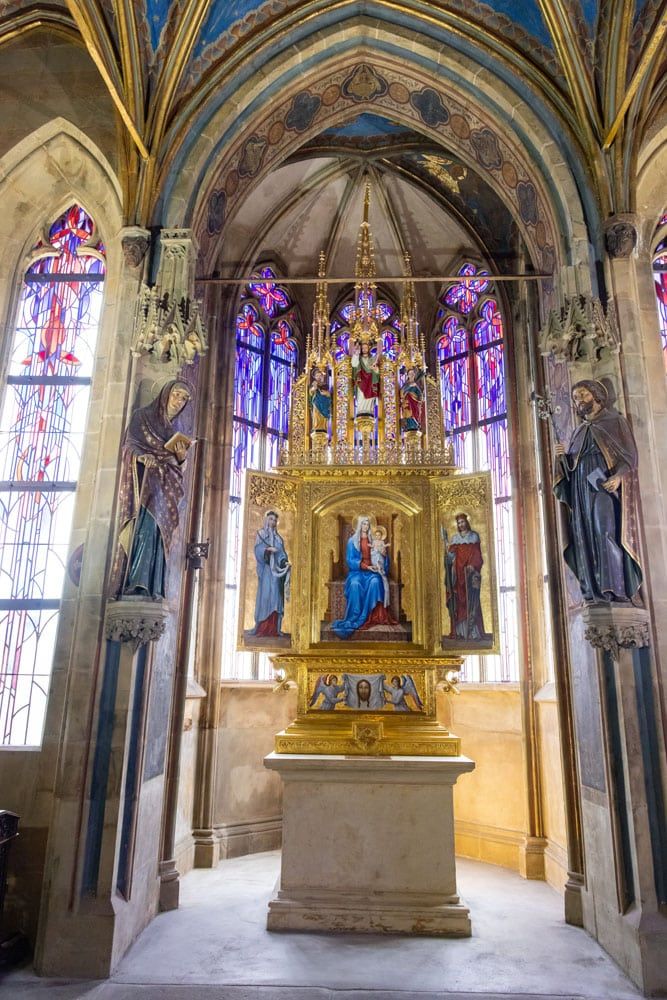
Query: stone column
point(623, 805)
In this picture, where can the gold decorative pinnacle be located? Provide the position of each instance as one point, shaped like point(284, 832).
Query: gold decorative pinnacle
point(318, 345)
point(365, 265)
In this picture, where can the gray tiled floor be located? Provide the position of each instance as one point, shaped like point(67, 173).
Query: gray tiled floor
point(216, 947)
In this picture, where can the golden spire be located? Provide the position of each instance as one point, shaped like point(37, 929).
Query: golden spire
point(318, 348)
point(412, 346)
point(365, 266)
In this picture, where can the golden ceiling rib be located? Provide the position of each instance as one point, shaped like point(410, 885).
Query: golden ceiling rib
point(130, 59)
point(23, 22)
point(191, 18)
point(91, 41)
point(576, 72)
point(650, 50)
point(616, 57)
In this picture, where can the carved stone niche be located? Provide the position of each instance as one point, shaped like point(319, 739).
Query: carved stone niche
point(620, 236)
point(581, 331)
point(136, 621)
point(614, 627)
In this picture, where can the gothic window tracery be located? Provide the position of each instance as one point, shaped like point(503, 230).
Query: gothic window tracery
point(660, 279)
point(42, 427)
point(342, 316)
point(471, 347)
point(265, 367)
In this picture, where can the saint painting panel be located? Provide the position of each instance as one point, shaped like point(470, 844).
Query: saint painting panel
point(267, 572)
point(469, 617)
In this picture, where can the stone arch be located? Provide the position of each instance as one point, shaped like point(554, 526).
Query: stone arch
point(271, 121)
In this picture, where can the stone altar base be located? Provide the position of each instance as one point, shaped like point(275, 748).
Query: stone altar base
point(368, 845)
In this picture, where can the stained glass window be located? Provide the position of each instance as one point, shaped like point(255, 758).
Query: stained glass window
point(42, 426)
point(266, 362)
point(342, 316)
point(660, 278)
point(471, 349)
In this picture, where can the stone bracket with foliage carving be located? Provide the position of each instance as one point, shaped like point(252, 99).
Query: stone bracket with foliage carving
point(612, 629)
point(135, 621)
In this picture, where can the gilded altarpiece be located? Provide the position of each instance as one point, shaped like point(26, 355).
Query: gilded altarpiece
point(368, 566)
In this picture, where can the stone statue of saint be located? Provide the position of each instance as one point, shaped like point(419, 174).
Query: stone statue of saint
point(596, 478)
point(320, 401)
point(151, 492)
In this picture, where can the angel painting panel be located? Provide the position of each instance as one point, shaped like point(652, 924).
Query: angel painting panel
point(366, 692)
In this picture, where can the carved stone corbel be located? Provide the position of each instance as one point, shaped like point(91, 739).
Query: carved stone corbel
point(620, 235)
point(134, 242)
point(612, 628)
point(135, 621)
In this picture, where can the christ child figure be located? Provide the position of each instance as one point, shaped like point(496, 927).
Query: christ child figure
point(378, 553)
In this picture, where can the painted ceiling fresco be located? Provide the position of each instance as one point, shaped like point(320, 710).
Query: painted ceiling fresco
point(585, 67)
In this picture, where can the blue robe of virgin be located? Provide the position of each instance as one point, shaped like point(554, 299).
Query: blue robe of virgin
point(363, 590)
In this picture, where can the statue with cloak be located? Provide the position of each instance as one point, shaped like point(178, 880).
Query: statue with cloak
point(151, 492)
point(596, 480)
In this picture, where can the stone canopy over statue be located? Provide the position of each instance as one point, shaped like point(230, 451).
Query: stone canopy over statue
point(596, 480)
point(353, 578)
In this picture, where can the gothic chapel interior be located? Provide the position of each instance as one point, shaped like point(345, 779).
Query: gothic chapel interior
point(170, 175)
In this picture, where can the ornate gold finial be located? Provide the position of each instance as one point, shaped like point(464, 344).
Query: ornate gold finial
point(318, 347)
point(412, 348)
point(365, 266)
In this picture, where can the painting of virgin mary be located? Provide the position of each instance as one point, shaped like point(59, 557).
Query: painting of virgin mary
point(364, 586)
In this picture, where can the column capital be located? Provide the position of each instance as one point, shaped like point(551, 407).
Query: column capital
point(135, 621)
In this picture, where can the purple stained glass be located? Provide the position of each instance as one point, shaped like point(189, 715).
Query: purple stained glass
point(346, 311)
point(246, 442)
point(455, 388)
point(385, 311)
point(342, 345)
point(42, 427)
point(389, 343)
point(248, 328)
point(271, 296)
point(282, 345)
point(493, 454)
point(454, 339)
point(248, 384)
point(661, 299)
point(490, 327)
point(464, 295)
point(490, 372)
point(280, 384)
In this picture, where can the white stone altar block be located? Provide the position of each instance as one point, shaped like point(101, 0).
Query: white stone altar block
point(368, 845)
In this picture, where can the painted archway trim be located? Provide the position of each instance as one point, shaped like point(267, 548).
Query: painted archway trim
point(404, 97)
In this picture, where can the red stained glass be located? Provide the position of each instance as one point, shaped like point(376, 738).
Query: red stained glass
point(271, 297)
point(42, 426)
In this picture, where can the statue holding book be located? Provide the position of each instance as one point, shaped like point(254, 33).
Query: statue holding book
point(596, 480)
point(151, 492)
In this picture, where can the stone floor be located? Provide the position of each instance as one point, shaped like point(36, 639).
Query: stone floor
point(216, 947)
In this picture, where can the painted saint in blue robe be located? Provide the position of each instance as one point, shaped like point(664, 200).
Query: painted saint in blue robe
point(273, 576)
point(364, 588)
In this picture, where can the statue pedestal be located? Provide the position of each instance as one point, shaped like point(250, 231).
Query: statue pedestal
point(368, 845)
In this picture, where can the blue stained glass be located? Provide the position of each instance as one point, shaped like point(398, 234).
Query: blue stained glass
point(248, 384)
point(455, 387)
point(464, 295)
point(661, 298)
point(342, 345)
point(273, 299)
point(248, 328)
point(245, 454)
point(490, 327)
point(389, 343)
point(335, 325)
point(280, 384)
point(346, 311)
point(454, 339)
point(489, 363)
point(42, 427)
point(385, 311)
point(493, 450)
